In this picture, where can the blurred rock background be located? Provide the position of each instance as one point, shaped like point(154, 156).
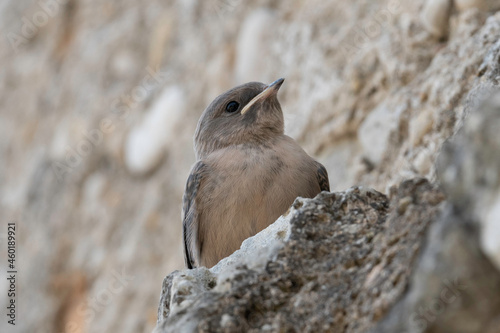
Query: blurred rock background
point(99, 103)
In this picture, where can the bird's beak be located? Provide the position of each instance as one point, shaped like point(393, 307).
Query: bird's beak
point(271, 90)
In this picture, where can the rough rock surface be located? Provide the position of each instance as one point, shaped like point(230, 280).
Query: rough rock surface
point(346, 260)
point(99, 102)
point(455, 286)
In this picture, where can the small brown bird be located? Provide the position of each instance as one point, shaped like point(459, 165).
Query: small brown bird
point(247, 174)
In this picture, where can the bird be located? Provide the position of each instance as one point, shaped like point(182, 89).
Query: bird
point(247, 173)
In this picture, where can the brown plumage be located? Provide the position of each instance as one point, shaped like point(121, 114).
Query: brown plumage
point(248, 173)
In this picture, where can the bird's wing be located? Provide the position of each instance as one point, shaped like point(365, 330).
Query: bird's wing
point(190, 216)
point(324, 183)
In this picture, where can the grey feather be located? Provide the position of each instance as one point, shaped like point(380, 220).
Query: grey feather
point(190, 214)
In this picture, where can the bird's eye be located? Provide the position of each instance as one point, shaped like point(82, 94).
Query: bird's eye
point(232, 107)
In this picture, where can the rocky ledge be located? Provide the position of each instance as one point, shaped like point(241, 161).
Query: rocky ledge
point(425, 258)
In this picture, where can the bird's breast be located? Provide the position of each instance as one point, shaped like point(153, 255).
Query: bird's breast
point(258, 184)
point(247, 189)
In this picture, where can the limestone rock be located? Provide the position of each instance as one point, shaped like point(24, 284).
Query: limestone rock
point(346, 260)
point(374, 132)
point(181, 289)
point(253, 42)
point(487, 5)
point(456, 280)
point(344, 62)
point(146, 143)
point(435, 16)
point(469, 169)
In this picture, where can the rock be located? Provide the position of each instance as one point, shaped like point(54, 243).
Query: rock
point(487, 5)
point(346, 259)
point(423, 162)
point(343, 62)
point(122, 63)
point(181, 289)
point(374, 132)
point(469, 170)
point(453, 287)
point(490, 234)
point(456, 280)
point(256, 250)
point(253, 39)
point(340, 166)
point(146, 143)
point(436, 13)
point(420, 126)
point(435, 16)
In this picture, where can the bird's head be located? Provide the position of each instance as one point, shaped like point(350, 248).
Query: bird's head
point(249, 113)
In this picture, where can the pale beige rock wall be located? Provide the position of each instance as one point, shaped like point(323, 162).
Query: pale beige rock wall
point(99, 102)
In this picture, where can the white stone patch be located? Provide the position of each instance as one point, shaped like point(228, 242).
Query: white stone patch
point(122, 63)
point(375, 131)
point(146, 143)
point(225, 320)
point(419, 126)
point(68, 134)
point(252, 45)
point(490, 232)
point(190, 282)
point(435, 16)
point(93, 189)
point(423, 161)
